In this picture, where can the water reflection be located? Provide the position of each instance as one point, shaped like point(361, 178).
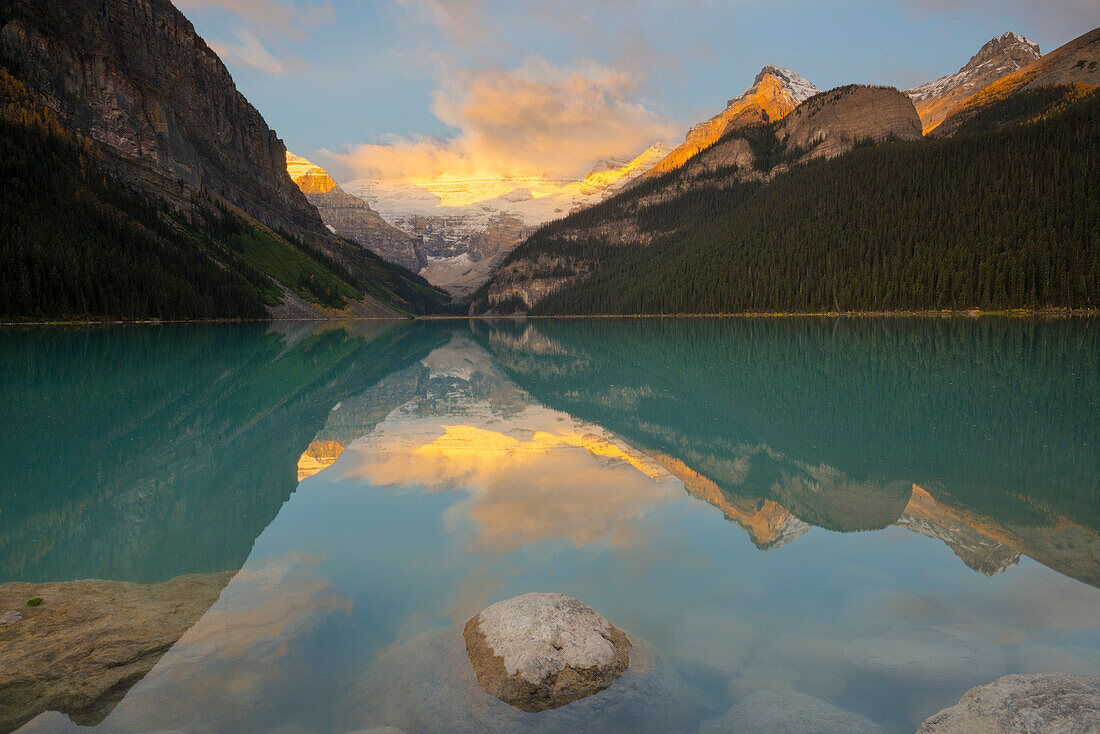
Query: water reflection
point(981, 434)
point(639, 466)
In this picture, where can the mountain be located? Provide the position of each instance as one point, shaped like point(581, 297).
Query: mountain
point(467, 226)
point(351, 217)
point(1076, 63)
point(146, 186)
point(1001, 56)
point(668, 206)
point(773, 95)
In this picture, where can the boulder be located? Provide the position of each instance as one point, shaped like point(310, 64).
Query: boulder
point(1024, 704)
point(427, 685)
point(543, 651)
point(789, 712)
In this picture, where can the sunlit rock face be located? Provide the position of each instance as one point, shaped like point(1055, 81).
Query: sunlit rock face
point(353, 218)
point(317, 457)
point(773, 95)
point(1001, 56)
point(543, 651)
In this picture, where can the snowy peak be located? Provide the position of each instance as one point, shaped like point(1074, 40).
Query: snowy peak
point(775, 92)
point(1003, 55)
point(999, 57)
point(1007, 48)
point(793, 84)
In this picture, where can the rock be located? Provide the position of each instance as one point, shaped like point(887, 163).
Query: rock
point(928, 657)
point(427, 685)
point(833, 122)
point(818, 663)
point(790, 713)
point(82, 651)
point(352, 217)
point(752, 679)
point(715, 647)
point(542, 651)
point(1024, 704)
point(135, 77)
point(10, 617)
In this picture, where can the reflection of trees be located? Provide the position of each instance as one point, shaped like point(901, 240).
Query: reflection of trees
point(1000, 414)
point(147, 453)
point(833, 421)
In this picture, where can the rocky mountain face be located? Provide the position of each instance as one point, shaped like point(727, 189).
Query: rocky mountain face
point(834, 122)
point(773, 95)
point(351, 217)
point(1076, 63)
point(134, 76)
point(1003, 55)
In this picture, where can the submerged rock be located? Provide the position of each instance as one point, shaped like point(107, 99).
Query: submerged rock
point(427, 685)
point(791, 713)
point(1023, 704)
point(82, 651)
point(542, 651)
point(928, 656)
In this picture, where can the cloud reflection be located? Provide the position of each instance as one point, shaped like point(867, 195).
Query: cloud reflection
point(538, 476)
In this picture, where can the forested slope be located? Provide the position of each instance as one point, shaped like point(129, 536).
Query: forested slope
point(1002, 215)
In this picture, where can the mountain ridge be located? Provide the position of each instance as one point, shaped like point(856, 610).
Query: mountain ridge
point(1000, 56)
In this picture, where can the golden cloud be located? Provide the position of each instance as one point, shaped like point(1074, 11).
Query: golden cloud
point(520, 127)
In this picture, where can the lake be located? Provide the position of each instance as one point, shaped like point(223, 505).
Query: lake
point(283, 527)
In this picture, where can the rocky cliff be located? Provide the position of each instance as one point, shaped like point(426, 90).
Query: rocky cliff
point(1075, 63)
point(134, 76)
point(834, 122)
point(1003, 55)
point(773, 95)
point(351, 217)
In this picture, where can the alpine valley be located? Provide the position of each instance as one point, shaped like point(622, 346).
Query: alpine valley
point(144, 186)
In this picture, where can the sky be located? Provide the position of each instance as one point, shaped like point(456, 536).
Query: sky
point(421, 89)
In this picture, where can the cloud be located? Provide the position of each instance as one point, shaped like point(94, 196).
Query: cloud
point(277, 21)
point(463, 20)
point(523, 484)
point(251, 52)
point(535, 120)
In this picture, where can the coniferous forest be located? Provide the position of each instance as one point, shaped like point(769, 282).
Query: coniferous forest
point(75, 244)
point(1003, 215)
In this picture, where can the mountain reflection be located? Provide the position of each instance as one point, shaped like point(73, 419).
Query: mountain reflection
point(529, 473)
point(974, 433)
point(145, 462)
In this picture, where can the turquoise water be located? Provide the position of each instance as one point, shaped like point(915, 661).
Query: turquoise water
point(878, 514)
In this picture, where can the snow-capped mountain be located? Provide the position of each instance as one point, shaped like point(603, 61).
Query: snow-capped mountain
point(1001, 56)
point(774, 93)
point(466, 227)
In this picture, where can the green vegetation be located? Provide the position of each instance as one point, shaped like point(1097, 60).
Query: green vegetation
point(76, 244)
point(34, 602)
point(997, 217)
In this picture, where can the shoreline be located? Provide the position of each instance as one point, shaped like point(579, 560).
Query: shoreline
point(968, 313)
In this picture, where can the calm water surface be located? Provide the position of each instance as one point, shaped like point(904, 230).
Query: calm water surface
point(879, 514)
